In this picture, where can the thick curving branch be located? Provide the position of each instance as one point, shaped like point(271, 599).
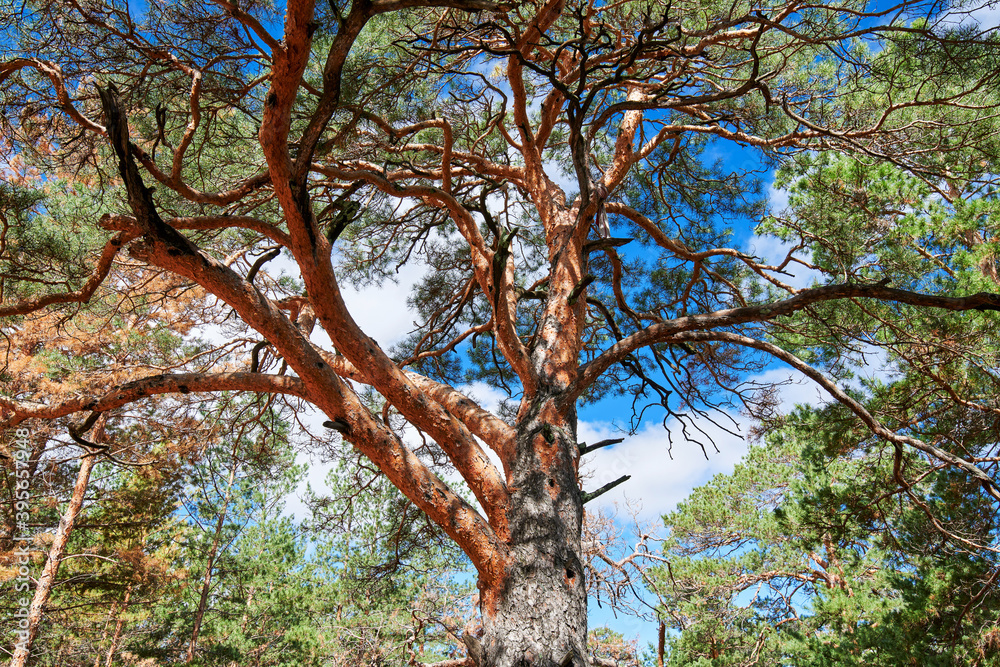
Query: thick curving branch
point(203, 222)
point(81, 295)
point(97, 400)
point(661, 332)
point(165, 247)
point(495, 432)
point(510, 344)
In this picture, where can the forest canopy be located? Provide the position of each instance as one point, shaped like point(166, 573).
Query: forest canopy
point(189, 188)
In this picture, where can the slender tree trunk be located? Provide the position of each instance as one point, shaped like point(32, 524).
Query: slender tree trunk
point(537, 616)
point(112, 614)
point(661, 643)
point(48, 576)
point(206, 585)
point(245, 621)
point(119, 624)
point(246, 610)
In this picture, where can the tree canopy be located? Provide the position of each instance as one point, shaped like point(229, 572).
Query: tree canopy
point(189, 186)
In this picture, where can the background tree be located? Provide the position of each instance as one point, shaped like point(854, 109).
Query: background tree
point(826, 546)
point(95, 502)
point(500, 146)
point(799, 558)
point(398, 590)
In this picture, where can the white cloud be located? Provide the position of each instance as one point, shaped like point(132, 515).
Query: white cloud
point(988, 16)
point(773, 250)
point(381, 310)
point(792, 388)
point(658, 481)
point(663, 475)
point(875, 365)
point(316, 473)
point(985, 15)
point(563, 177)
point(777, 199)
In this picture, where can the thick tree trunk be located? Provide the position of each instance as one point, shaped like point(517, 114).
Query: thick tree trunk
point(537, 616)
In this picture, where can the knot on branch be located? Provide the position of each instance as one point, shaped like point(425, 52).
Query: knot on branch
point(987, 301)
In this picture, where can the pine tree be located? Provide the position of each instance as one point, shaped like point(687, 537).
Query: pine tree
point(554, 164)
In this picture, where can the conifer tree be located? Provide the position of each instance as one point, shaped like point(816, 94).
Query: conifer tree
point(554, 166)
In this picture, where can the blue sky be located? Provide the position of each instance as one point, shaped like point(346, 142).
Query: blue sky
point(659, 479)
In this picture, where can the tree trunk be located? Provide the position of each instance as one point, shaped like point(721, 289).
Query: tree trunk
point(48, 576)
point(537, 615)
point(246, 610)
point(206, 585)
point(119, 624)
point(104, 632)
point(661, 642)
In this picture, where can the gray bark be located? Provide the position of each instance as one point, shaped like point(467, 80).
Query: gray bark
point(539, 617)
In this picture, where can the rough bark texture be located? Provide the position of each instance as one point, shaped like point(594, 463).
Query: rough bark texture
point(632, 75)
point(47, 579)
point(538, 615)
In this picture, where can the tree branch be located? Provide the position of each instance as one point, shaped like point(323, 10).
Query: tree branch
point(663, 331)
point(81, 295)
point(15, 412)
point(587, 497)
point(586, 449)
point(202, 222)
point(987, 482)
point(166, 248)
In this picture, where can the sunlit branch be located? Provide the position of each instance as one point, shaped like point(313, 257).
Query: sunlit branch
point(98, 400)
point(205, 222)
point(987, 482)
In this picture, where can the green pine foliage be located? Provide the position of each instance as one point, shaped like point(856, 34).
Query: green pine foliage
point(796, 559)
